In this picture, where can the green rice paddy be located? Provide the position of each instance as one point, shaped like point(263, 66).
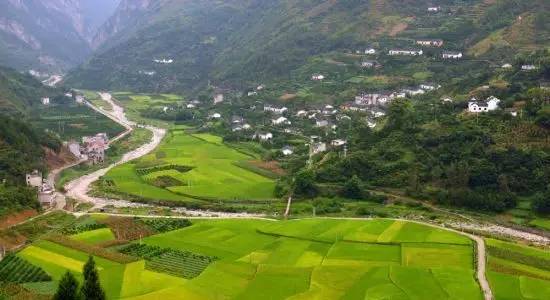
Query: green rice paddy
point(517, 271)
point(95, 236)
point(213, 174)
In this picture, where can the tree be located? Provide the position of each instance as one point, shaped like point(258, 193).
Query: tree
point(91, 289)
point(67, 289)
point(304, 184)
point(352, 188)
point(541, 203)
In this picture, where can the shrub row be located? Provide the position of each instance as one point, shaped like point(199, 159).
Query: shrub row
point(164, 225)
point(507, 254)
point(17, 270)
point(90, 249)
point(174, 262)
point(179, 168)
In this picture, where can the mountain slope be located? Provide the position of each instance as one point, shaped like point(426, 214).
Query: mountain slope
point(48, 35)
point(20, 92)
point(237, 42)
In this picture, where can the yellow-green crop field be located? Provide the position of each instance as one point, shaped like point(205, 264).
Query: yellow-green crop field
point(210, 172)
point(307, 259)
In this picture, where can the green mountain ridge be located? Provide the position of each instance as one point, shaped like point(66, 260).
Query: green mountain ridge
point(236, 43)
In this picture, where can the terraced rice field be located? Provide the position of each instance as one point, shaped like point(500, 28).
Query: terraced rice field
point(518, 272)
point(211, 172)
point(96, 236)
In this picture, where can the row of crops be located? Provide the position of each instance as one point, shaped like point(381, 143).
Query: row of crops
point(179, 168)
point(174, 262)
point(17, 270)
point(165, 225)
point(508, 254)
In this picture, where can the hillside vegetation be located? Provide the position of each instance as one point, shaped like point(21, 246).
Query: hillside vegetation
point(236, 42)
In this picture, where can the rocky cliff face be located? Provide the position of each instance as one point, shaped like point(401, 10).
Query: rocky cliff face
point(126, 14)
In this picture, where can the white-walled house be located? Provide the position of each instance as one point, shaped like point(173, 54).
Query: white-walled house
point(430, 42)
point(430, 86)
point(267, 136)
point(275, 110)
point(338, 143)
point(451, 55)
point(318, 147)
point(317, 77)
point(218, 98)
point(370, 51)
point(434, 9)
point(321, 123)
point(280, 121)
point(490, 104)
point(507, 66)
point(215, 116)
point(528, 67)
point(46, 101)
point(405, 52)
point(34, 179)
point(287, 150)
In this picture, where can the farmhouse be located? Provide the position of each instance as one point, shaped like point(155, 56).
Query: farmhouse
point(190, 106)
point(301, 113)
point(329, 110)
point(451, 55)
point(321, 123)
point(46, 196)
point(447, 100)
point(413, 91)
point(252, 93)
point(430, 86)
point(215, 116)
point(287, 150)
point(434, 9)
point(267, 136)
point(317, 77)
point(281, 121)
point(46, 101)
point(528, 67)
point(237, 120)
point(163, 61)
point(379, 98)
point(338, 143)
point(218, 98)
point(275, 110)
point(405, 52)
point(34, 179)
point(370, 64)
point(318, 147)
point(79, 99)
point(490, 104)
point(430, 43)
point(370, 51)
point(506, 66)
point(260, 87)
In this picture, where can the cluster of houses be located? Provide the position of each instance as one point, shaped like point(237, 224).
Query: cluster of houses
point(92, 148)
point(46, 193)
point(163, 61)
point(489, 104)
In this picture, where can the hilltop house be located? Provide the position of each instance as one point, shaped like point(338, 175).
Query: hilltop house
point(46, 101)
point(275, 110)
point(317, 77)
point(451, 55)
point(490, 104)
point(430, 43)
point(405, 52)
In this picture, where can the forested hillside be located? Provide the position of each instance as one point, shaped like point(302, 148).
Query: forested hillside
point(19, 92)
point(236, 42)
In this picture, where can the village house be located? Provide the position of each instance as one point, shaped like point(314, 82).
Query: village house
point(430, 43)
point(190, 106)
point(215, 116)
point(512, 111)
point(275, 110)
point(490, 104)
point(368, 64)
point(267, 136)
point(329, 110)
point(434, 9)
point(528, 67)
point(301, 113)
point(451, 55)
point(507, 66)
point(94, 147)
point(281, 121)
point(252, 93)
point(317, 148)
point(369, 99)
point(34, 179)
point(413, 91)
point(218, 98)
point(447, 99)
point(349, 106)
point(430, 86)
point(237, 120)
point(46, 196)
point(260, 87)
point(236, 127)
point(46, 101)
point(370, 51)
point(163, 61)
point(287, 150)
point(317, 77)
point(74, 148)
point(338, 143)
point(405, 52)
point(79, 99)
point(321, 123)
